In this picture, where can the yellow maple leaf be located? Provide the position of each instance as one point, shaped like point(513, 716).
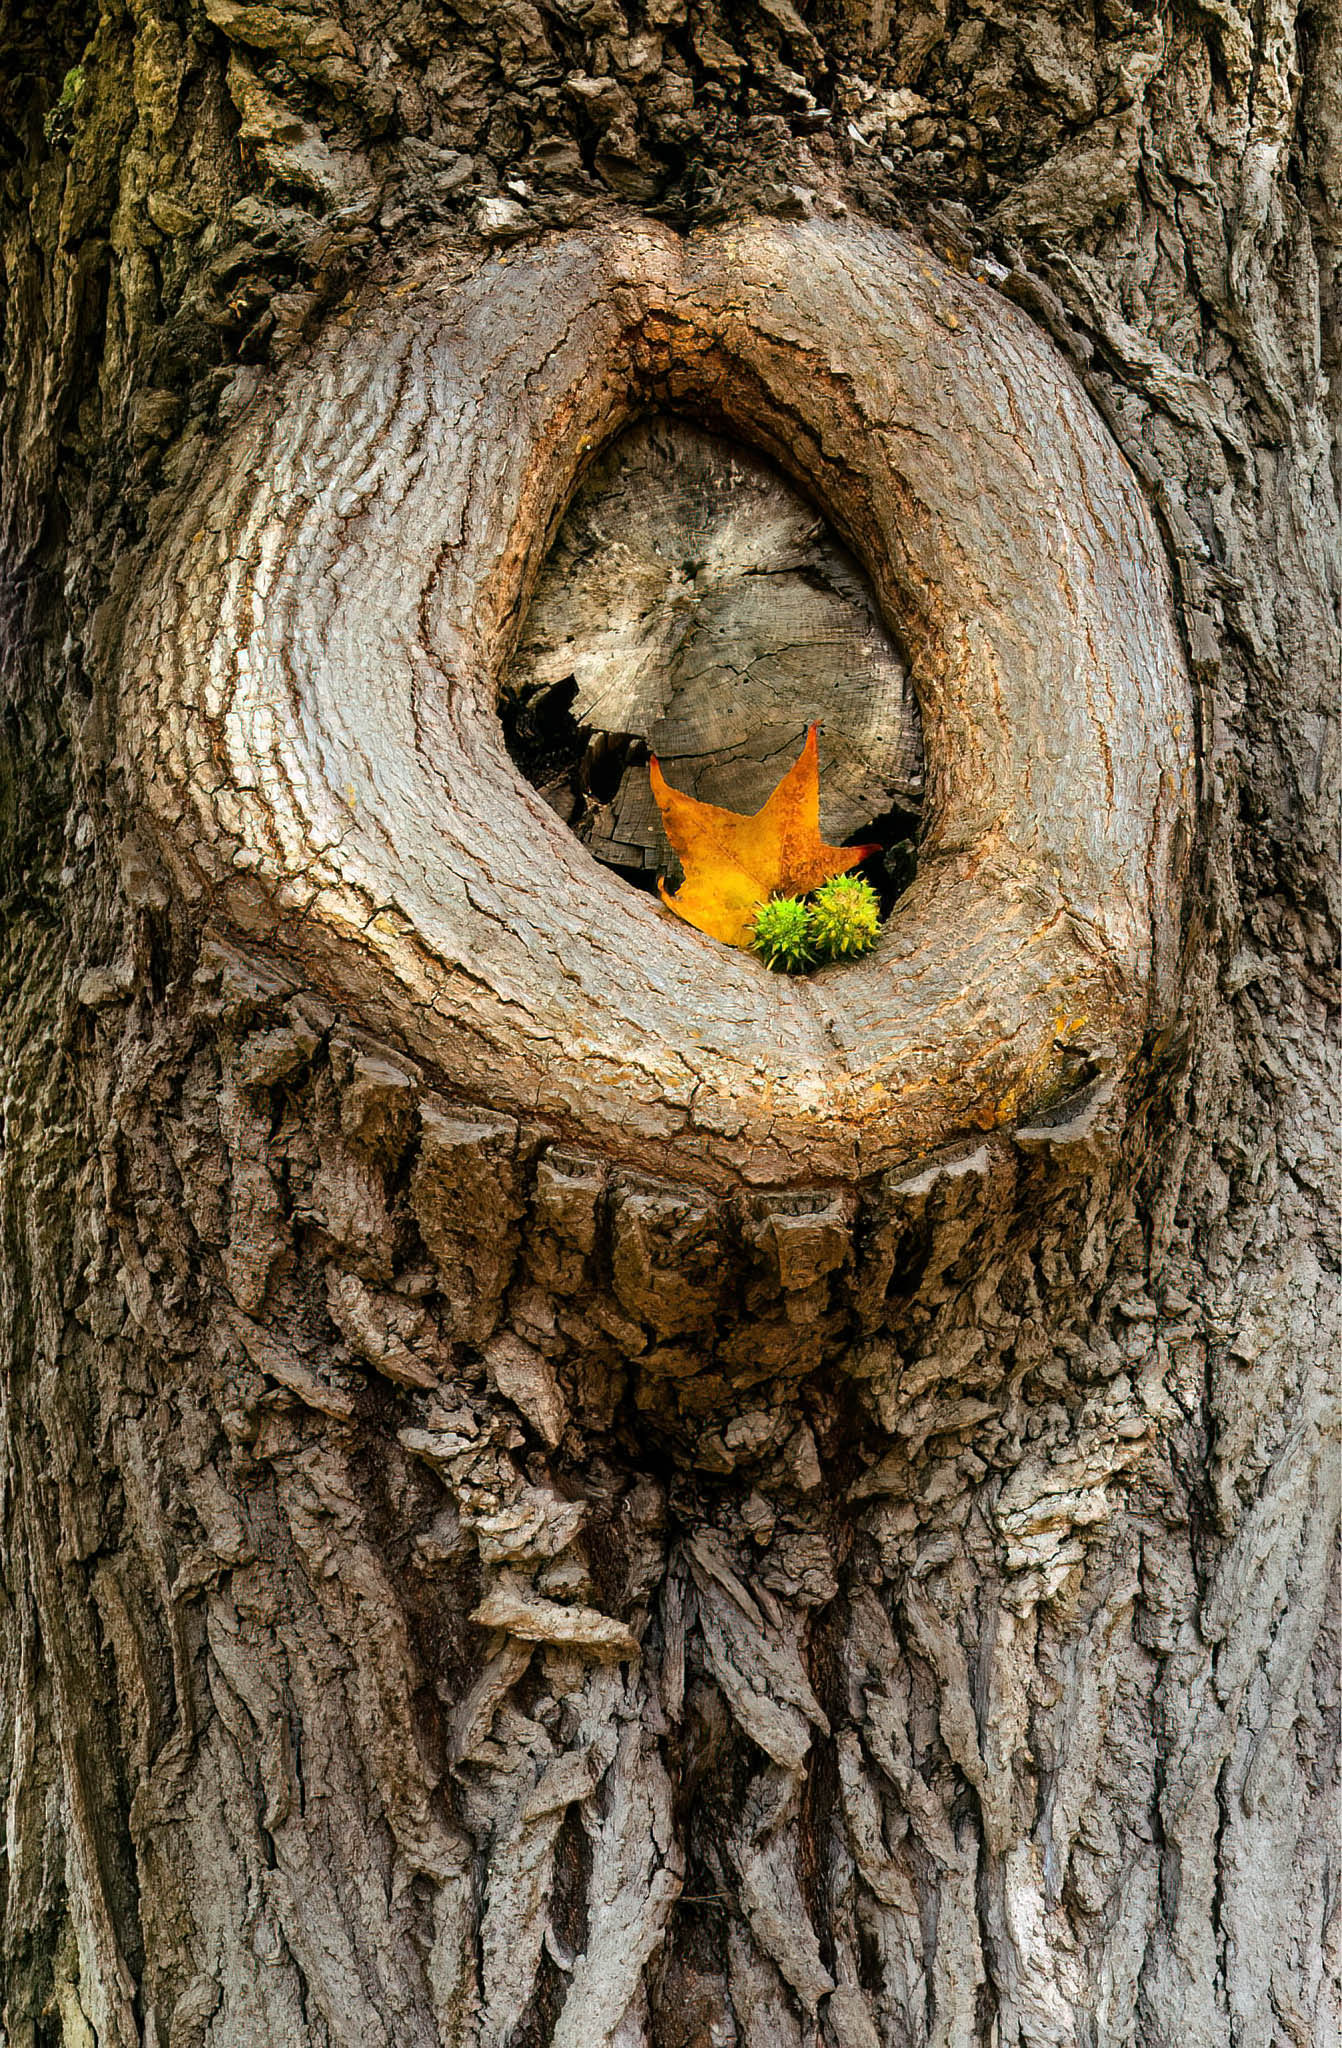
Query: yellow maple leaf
point(733, 862)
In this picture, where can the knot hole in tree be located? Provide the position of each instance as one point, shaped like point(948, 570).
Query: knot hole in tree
point(694, 605)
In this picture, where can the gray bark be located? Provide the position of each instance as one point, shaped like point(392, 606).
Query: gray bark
point(556, 1488)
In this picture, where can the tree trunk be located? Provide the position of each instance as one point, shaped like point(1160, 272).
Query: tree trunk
point(559, 1488)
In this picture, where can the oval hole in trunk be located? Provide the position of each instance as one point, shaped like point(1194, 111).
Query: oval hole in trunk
point(694, 605)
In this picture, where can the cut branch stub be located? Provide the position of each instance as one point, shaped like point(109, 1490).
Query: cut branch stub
point(311, 671)
point(694, 602)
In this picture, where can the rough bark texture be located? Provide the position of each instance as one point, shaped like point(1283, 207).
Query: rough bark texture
point(310, 666)
point(520, 1524)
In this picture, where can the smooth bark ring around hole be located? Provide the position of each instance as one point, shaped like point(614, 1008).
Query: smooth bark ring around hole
point(310, 671)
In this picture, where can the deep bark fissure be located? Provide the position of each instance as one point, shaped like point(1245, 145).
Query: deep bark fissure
point(920, 1561)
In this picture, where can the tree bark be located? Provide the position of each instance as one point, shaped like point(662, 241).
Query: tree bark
point(558, 1490)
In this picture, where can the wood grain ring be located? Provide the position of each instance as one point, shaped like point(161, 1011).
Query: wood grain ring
point(310, 670)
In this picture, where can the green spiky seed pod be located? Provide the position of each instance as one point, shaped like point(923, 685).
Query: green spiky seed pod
point(844, 919)
point(780, 935)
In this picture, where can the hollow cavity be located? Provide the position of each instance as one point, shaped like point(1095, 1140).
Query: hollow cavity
point(694, 605)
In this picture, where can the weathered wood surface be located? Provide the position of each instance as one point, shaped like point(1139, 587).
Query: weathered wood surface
point(971, 1516)
point(694, 601)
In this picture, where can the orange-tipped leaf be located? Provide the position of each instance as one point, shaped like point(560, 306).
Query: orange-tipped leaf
point(734, 861)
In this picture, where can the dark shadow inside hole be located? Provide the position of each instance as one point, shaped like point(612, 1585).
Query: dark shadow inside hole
point(579, 772)
point(695, 605)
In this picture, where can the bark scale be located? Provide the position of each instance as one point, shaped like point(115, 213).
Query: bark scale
point(477, 1571)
